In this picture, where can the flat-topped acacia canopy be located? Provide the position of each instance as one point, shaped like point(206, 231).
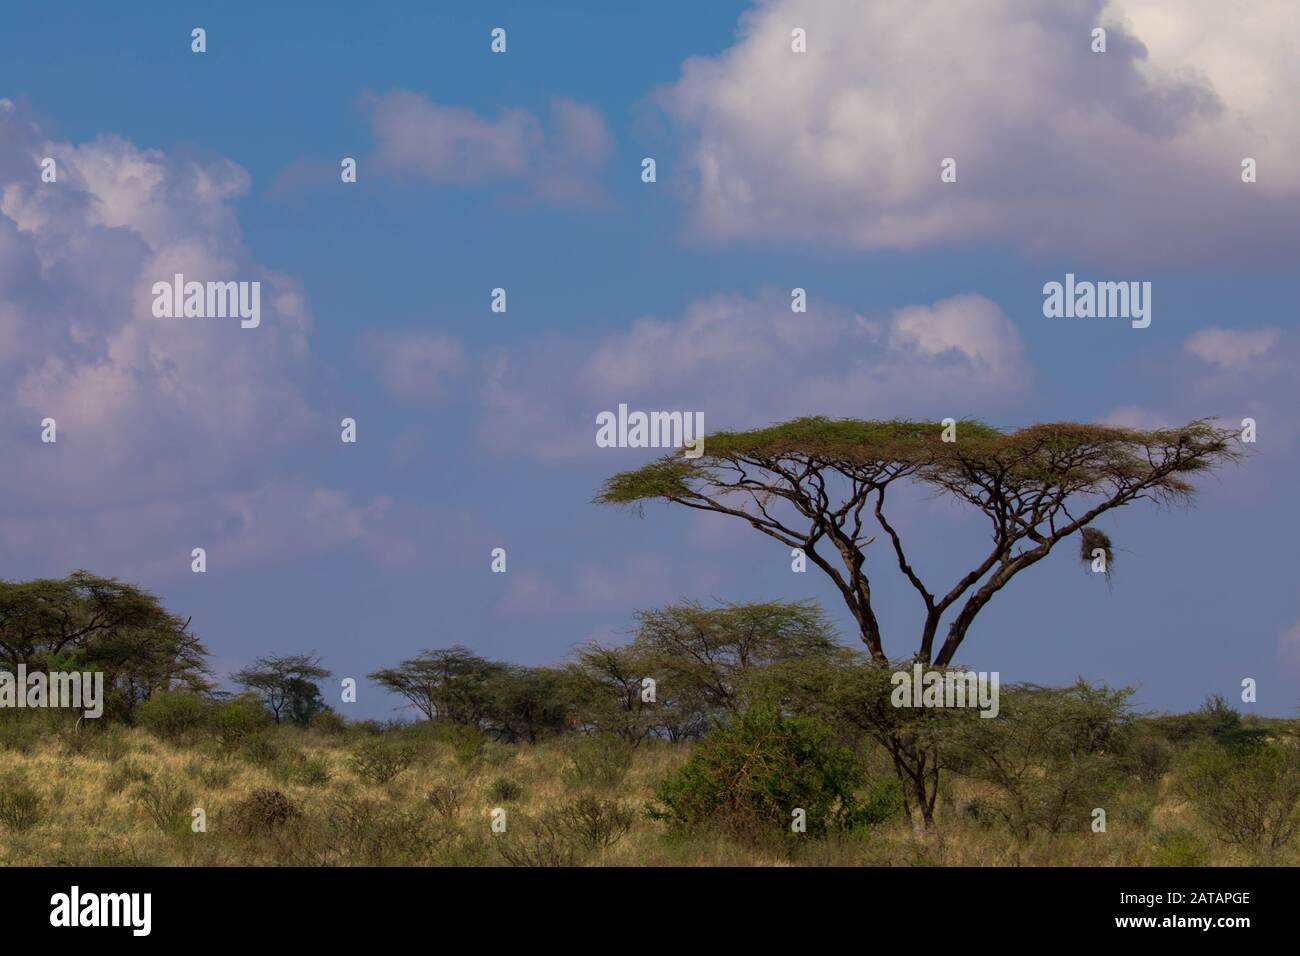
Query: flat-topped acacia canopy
point(1037, 485)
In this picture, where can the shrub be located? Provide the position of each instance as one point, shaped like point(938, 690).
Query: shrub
point(167, 803)
point(21, 806)
point(368, 833)
point(1050, 755)
point(307, 772)
point(1249, 794)
point(1149, 757)
point(379, 761)
point(505, 790)
point(234, 721)
point(595, 823)
point(262, 749)
point(749, 778)
point(545, 840)
point(262, 811)
point(330, 722)
point(173, 714)
point(883, 802)
point(598, 762)
point(446, 799)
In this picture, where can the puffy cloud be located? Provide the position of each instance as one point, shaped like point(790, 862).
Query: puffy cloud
point(418, 138)
point(1231, 348)
point(750, 361)
point(1134, 152)
point(172, 433)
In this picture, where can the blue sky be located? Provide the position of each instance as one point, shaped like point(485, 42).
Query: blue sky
point(925, 299)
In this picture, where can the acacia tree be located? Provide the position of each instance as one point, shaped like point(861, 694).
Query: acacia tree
point(820, 485)
point(287, 683)
point(444, 684)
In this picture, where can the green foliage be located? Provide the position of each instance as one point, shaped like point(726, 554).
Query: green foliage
point(1180, 848)
point(597, 762)
point(379, 761)
point(1216, 721)
point(306, 771)
point(235, 720)
point(749, 777)
point(1249, 794)
point(1149, 757)
point(1051, 754)
point(174, 714)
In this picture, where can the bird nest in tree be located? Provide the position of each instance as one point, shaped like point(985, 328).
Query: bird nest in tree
point(1092, 540)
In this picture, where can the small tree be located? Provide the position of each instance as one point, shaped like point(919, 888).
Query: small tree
point(287, 684)
point(1249, 793)
point(713, 651)
point(449, 684)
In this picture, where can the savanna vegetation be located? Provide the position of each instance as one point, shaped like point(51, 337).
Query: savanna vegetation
point(724, 734)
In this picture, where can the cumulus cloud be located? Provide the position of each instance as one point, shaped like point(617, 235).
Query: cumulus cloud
point(171, 433)
point(1231, 348)
point(1134, 152)
point(418, 138)
point(748, 361)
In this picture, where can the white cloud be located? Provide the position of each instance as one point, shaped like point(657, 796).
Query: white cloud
point(1231, 348)
point(1133, 152)
point(172, 433)
point(417, 137)
point(747, 362)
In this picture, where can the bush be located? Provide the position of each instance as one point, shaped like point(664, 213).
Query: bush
point(883, 802)
point(307, 772)
point(379, 761)
point(1050, 755)
point(505, 790)
point(262, 749)
point(262, 811)
point(371, 834)
point(234, 721)
point(168, 804)
point(749, 778)
point(329, 722)
point(545, 840)
point(1149, 758)
point(173, 714)
point(598, 762)
point(21, 806)
point(594, 823)
point(1249, 794)
point(446, 799)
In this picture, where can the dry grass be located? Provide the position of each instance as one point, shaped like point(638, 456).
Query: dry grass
point(93, 813)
